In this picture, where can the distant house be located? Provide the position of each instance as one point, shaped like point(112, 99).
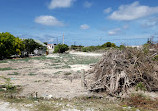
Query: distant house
point(40, 50)
point(50, 46)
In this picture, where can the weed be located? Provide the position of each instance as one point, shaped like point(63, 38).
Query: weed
point(15, 73)
point(139, 100)
point(46, 106)
point(140, 86)
point(47, 81)
point(68, 73)
point(7, 68)
point(31, 74)
point(37, 81)
point(155, 58)
point(59, 72)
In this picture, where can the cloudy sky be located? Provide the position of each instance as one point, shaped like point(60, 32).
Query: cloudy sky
point(83, 22)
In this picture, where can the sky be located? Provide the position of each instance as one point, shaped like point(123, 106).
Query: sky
point(83, 22)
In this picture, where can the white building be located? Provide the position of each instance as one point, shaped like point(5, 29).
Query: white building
point(50, 46)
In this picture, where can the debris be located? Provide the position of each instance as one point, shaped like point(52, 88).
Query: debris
point(121, 69)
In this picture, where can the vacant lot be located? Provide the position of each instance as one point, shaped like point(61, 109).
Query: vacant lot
point(57, 75)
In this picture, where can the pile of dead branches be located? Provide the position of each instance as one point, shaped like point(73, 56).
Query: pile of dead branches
point(121, 69)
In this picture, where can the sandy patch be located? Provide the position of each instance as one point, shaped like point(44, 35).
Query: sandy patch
point(86, 54)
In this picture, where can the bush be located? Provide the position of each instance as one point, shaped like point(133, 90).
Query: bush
point(77, 48)
point(31, 45)
point(91, 48)
point(122, 47)
point(107, 44)
point(10, 45)
point(102, 47)
point(61, 48)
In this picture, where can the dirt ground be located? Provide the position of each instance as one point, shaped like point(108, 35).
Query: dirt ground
point(55, 75)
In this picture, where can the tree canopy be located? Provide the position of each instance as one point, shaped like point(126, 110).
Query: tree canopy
point(10, 45)
point(31, 45)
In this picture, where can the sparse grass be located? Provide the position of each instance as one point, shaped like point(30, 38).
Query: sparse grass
point(46, 106)
point(38, 81)
point(32, 74)
point(3, 61)
point(15, 73)
point(7, 68)
point(47, 81)
point(62, 67)
point(79, 103)
point(59, 72)
point(143, 102)
point(70, 59)
point(67, 73)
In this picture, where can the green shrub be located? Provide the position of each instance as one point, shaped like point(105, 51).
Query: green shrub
point(140, 86)
point(91, 48)
point(75, 47)
point(10, 45)
point(146, 48)
point(31, 45)
point(61, 48)
point(122, 47)
point(107, 44)
point(155, 58)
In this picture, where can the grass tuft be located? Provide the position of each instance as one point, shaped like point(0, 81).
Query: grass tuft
point(7, 68)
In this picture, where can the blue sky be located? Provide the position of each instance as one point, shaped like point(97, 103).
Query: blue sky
point(83, 22)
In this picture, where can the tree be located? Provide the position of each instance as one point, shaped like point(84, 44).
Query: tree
point(31, 45)
point(46, 43)
point(61, 48)
point(109, 44)
point(10, 45)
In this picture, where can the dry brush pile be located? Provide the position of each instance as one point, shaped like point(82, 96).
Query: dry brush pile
point(121, 69)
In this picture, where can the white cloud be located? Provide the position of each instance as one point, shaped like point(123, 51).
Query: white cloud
point(152, 22)
point(60, 4)
point(133, 11)
point(108, 10)
point(48, 20)
point(114, 32)
point(87, 4)
point(84, 27)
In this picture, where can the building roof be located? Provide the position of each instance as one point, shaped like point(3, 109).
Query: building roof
point(41, 43)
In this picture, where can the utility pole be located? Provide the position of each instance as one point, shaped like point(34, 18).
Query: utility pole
point(63, 38)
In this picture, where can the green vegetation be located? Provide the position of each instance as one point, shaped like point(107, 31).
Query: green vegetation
point(10, 88)
point(122, 47)
point(10, 45)
point(140, 86)
point(108, 44)
point(70, 59)
point(102, 47)
point(61, 48)
point(31, 74)
point(67, 73)
point(31, 45)
point(155, 58)
point(142, 102)
point(59, 72)
point(7, 68)
point(15, 73)
point(77, 48)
